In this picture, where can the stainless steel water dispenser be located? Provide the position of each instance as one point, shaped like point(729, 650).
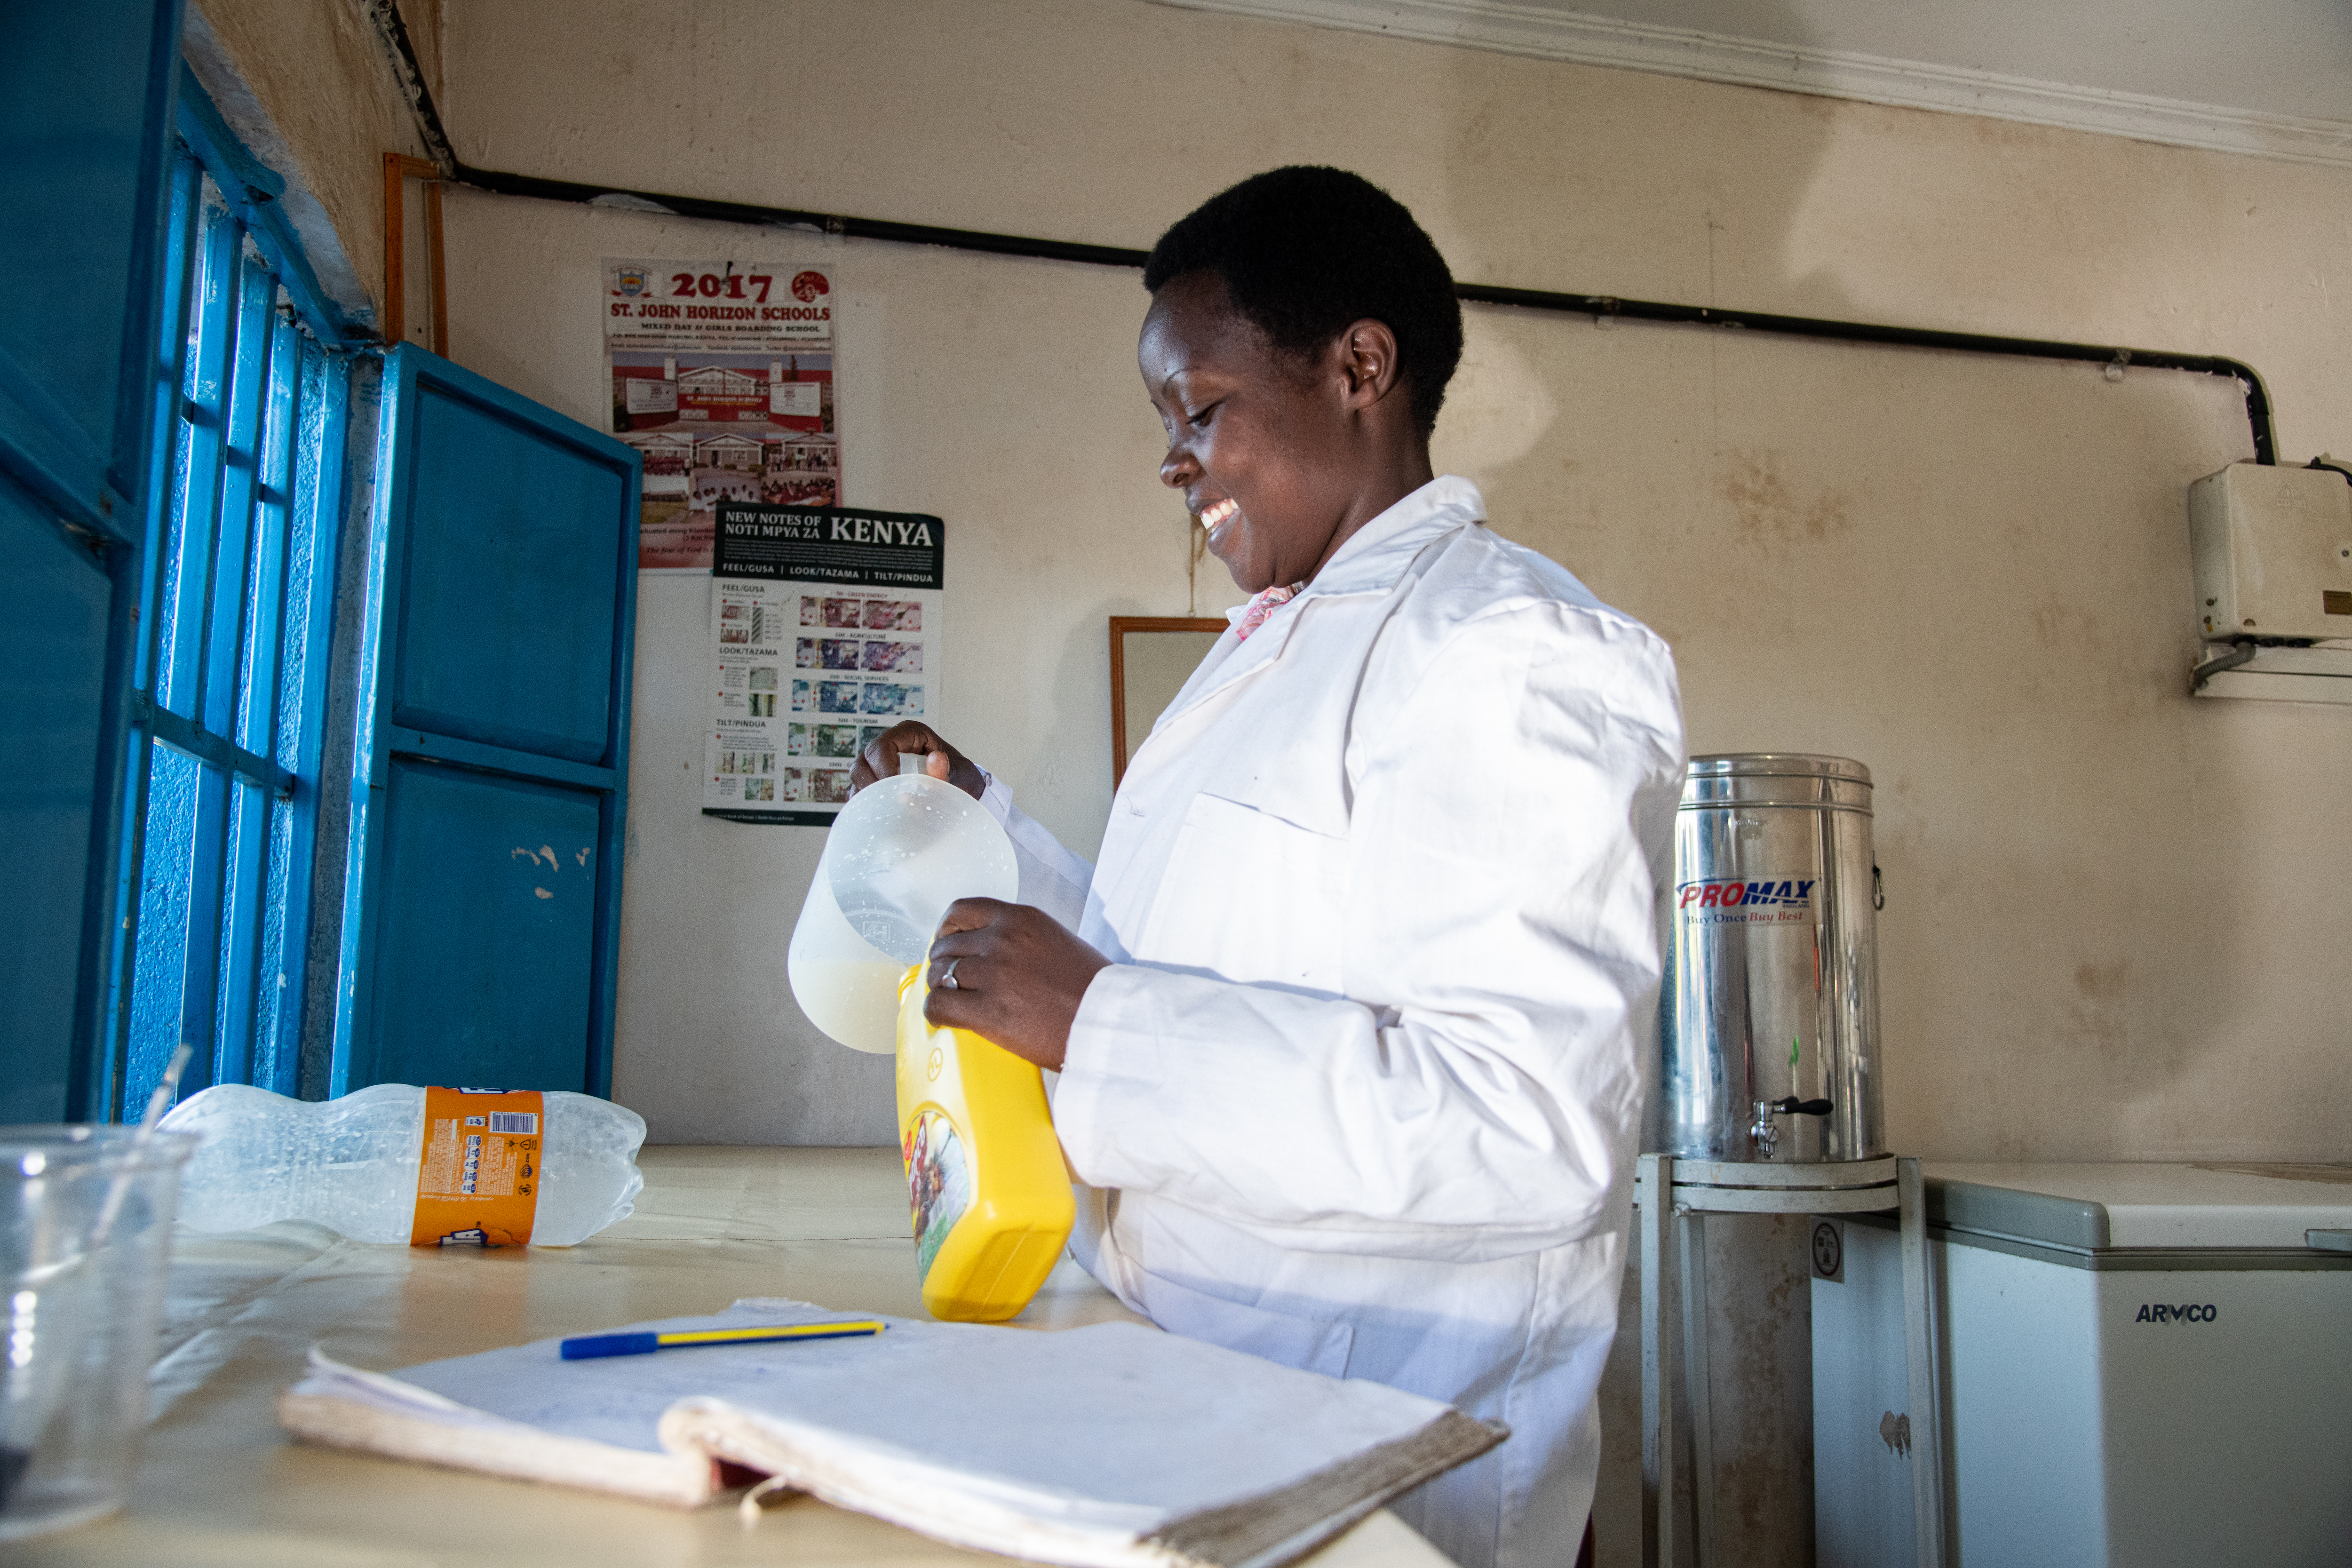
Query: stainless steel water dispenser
point(1768, 1014)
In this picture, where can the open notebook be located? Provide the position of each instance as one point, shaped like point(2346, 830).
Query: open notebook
point(1099, 1447)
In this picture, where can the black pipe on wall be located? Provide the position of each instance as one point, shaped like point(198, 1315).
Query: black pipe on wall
point(393, 33)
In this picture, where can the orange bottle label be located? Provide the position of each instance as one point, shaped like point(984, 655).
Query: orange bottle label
point(478, 1178)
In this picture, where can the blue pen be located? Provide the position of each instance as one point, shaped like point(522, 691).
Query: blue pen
point(589, 1346)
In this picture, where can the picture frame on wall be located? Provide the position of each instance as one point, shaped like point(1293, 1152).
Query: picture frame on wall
point(1152, 656)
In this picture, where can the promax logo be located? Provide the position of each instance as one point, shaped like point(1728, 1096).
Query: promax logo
point(1730, 894)
point(2195, 1313)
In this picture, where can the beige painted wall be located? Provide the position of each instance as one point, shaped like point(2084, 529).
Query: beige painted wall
point(306, 84)
point(2112, 930)
point(2109, 930)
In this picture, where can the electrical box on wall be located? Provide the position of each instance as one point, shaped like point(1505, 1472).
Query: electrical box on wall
point(2271, 551)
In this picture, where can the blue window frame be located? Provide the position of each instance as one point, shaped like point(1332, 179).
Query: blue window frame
point(229, 661)
point(173, 528)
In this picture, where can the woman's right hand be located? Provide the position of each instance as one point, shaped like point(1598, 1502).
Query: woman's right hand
point(941, 761)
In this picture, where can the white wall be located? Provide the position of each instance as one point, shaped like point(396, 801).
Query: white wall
point(2109, 930)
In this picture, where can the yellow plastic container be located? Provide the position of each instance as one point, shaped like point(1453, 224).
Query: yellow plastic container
point(990, 1194)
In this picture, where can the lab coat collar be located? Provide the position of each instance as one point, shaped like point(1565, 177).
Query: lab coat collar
point(1377, 555)
point(1371, 561)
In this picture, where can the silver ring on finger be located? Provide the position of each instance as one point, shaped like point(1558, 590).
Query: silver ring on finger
point(947, 976)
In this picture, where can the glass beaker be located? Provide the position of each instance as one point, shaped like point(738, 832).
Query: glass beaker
point(85, 1243)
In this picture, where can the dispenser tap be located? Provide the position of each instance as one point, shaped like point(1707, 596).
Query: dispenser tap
point(1766, 1132)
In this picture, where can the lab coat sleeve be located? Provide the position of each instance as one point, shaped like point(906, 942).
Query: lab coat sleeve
point(1475, 1091)
point(1052, 879)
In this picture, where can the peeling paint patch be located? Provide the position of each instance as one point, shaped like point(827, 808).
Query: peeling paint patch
point(542, 892)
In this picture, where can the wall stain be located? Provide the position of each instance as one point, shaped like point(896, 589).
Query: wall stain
point(2094, 1015)
point(2070, 627)
point(2102, 982)
point(1768, 510)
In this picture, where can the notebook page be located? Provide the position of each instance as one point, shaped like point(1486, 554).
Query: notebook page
point(1112, 1425)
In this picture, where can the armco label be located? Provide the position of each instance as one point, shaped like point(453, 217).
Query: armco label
point(1742, 901)
point(478, 1176)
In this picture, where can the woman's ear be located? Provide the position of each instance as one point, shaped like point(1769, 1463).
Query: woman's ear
point(1367, 355)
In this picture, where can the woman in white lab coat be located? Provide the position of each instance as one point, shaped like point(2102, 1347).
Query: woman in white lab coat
point(1352, 1017)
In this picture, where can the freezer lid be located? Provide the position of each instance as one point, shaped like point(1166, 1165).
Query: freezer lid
point(2100, 1208)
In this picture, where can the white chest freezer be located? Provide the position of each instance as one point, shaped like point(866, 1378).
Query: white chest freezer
point(2142, 1365)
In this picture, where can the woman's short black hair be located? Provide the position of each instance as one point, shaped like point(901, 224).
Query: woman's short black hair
point(1304, 250)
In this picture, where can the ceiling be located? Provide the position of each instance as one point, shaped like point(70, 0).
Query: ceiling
point(2267, 77)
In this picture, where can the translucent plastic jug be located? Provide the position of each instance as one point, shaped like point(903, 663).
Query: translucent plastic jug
point(896, 857)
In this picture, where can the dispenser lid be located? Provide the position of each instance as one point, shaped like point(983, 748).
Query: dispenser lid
point(1776, 764)
point(1776, 778)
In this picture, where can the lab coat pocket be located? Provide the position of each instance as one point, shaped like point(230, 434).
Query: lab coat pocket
point(1303, 1342)
point(1249, 897)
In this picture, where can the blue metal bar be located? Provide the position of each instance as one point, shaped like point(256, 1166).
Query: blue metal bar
point(256, 723)
point(166, 870)
point(276, 1052)
point(314, 545)
point(248, 909)
point(490, 759)
point(188, 551)
point(221, 932)
point(199, 986)
point(232, 595)
point(208, 748)
point(179, 270)
point(101, 1088)
point(243, 886)
point(603, 1012)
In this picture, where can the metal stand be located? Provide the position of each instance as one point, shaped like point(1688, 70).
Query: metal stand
point(1696, 1188)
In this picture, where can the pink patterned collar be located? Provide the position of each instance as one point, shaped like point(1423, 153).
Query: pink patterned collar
point(1261, 605)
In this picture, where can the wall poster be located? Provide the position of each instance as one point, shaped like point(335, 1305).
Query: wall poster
point(825, 631)
point(721, 376)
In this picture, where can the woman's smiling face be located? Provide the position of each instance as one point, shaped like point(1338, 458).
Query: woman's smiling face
point(1258, 441)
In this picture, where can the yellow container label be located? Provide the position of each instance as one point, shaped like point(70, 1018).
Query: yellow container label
point(988, 1193)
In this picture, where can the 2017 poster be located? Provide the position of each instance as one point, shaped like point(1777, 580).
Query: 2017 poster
point(721, 375)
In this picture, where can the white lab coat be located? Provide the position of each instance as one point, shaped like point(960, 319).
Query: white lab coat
point(1362, 1089)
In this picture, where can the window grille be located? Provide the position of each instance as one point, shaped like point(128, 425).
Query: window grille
point(229, 708)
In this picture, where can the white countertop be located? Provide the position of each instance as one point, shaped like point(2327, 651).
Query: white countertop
point(220, 1484)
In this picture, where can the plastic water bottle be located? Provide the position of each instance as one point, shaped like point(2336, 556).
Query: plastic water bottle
point(351, 1163)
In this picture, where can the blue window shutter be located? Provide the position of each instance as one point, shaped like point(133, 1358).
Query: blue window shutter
point(86, 111)
point(482, 891)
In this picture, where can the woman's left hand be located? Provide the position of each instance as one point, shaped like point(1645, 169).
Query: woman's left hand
point(1019, 977)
